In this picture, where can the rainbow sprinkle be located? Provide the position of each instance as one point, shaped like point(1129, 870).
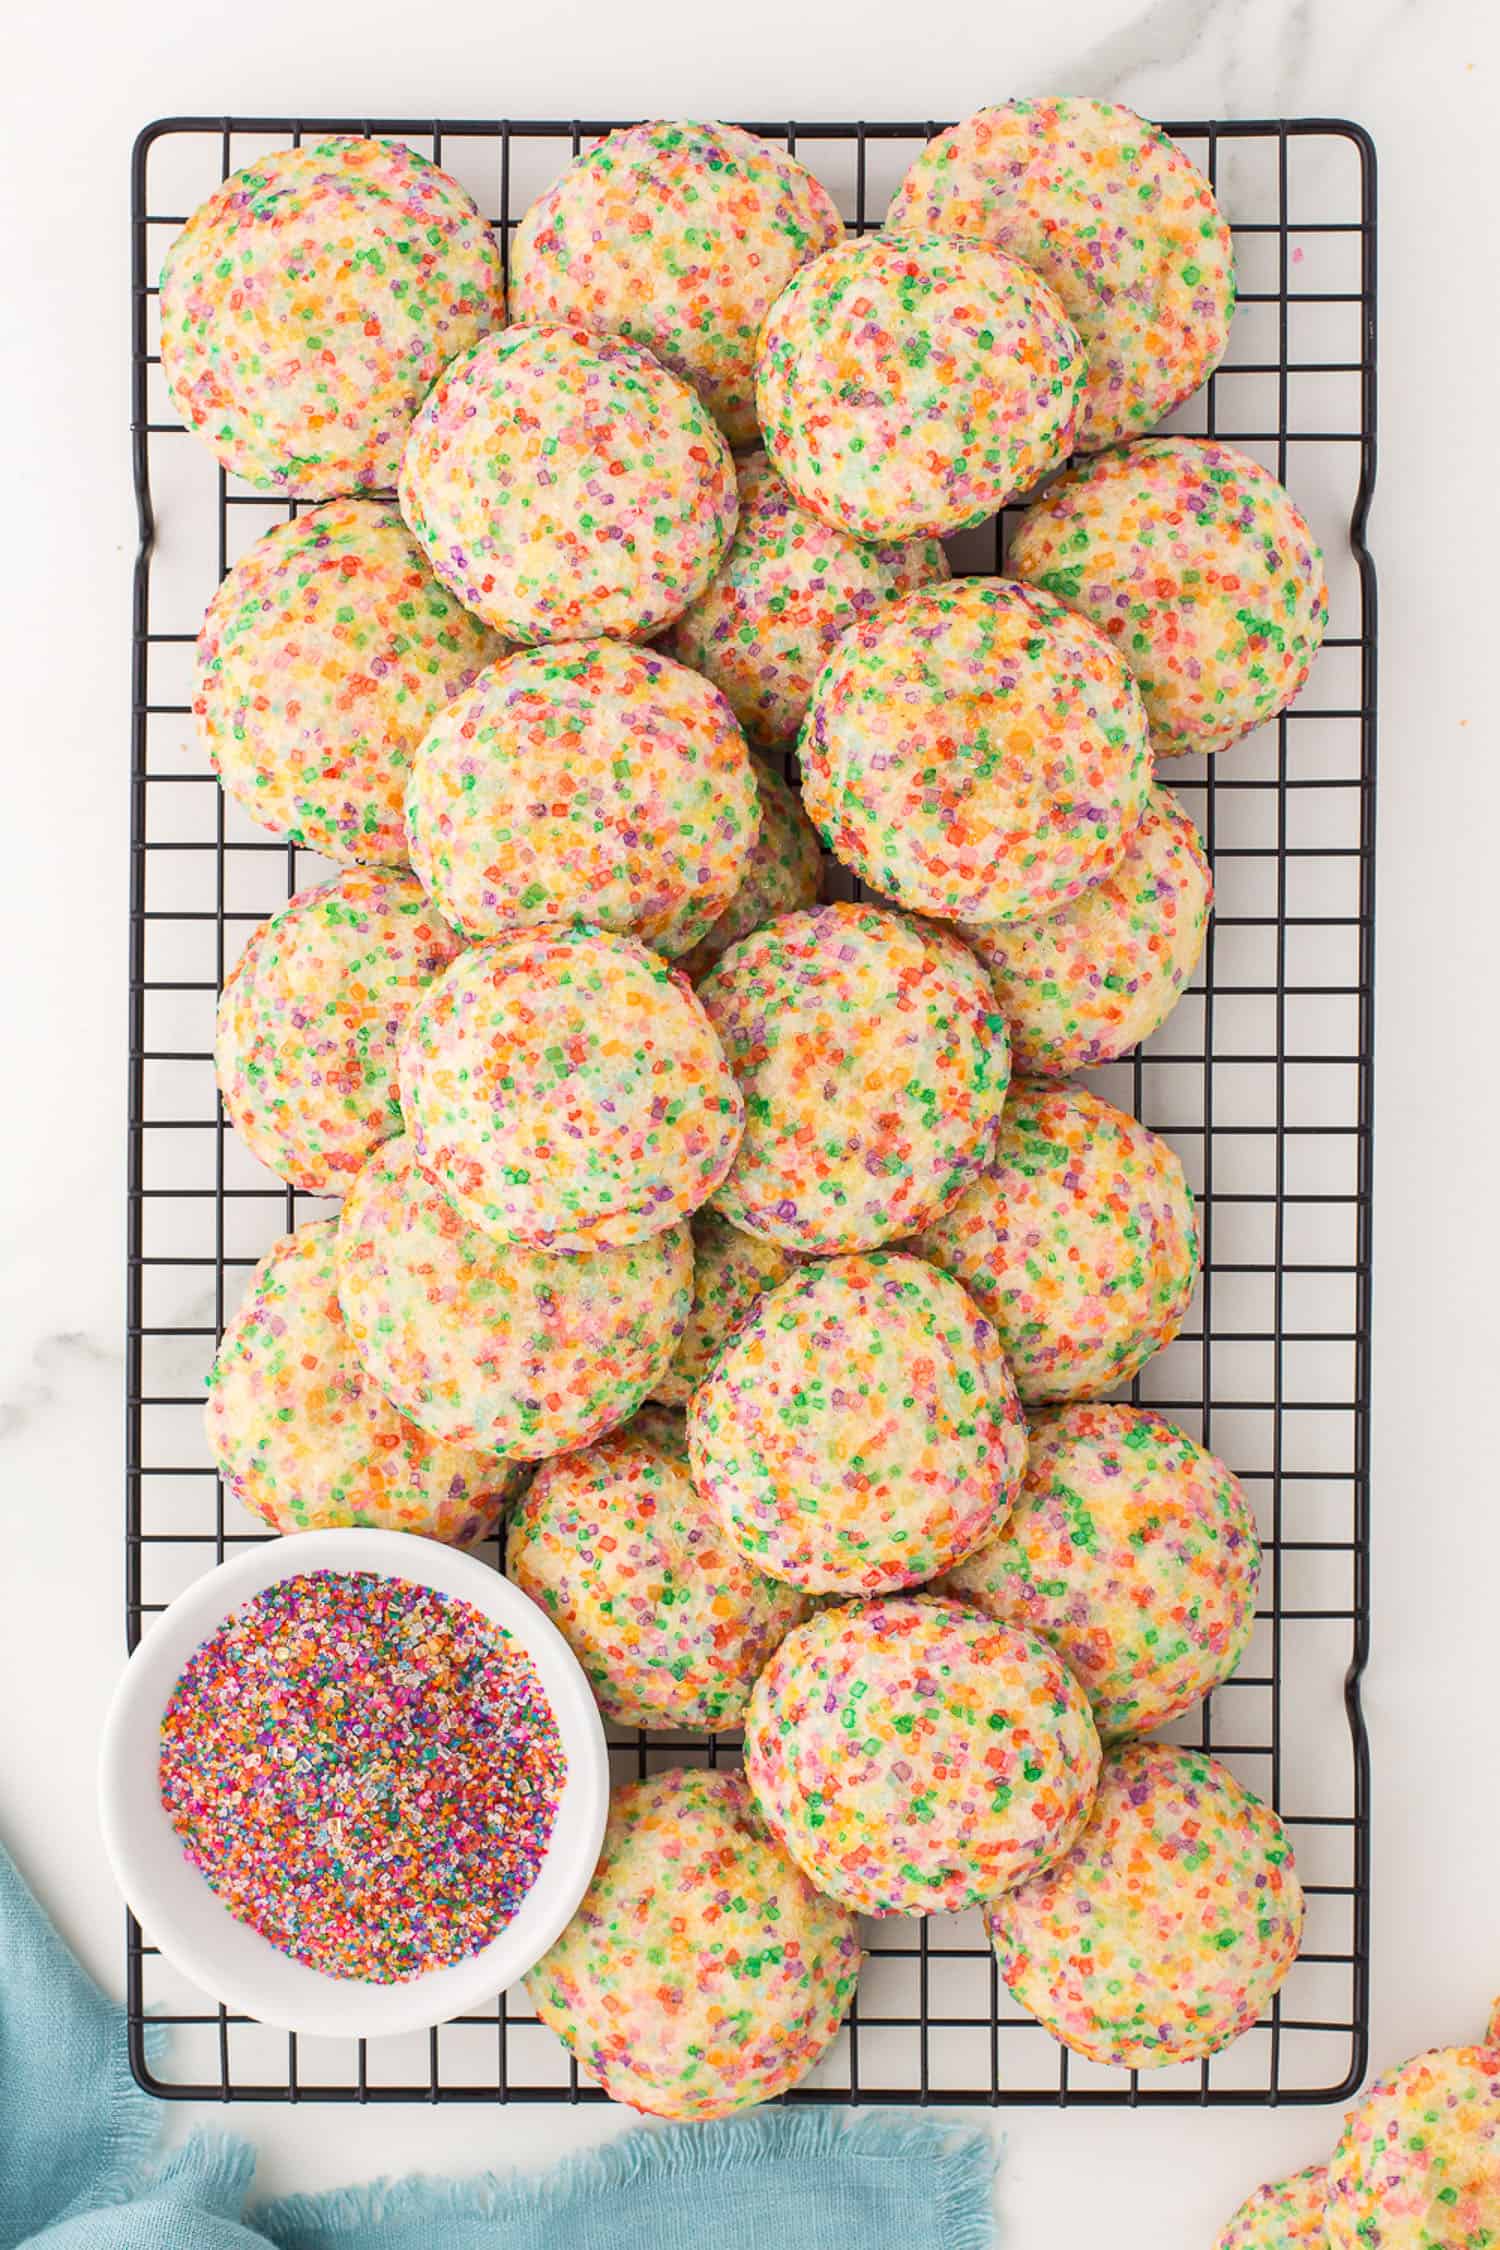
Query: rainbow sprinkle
point(364, 1770)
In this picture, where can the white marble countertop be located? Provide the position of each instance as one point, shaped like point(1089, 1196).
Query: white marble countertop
point(1421, 79)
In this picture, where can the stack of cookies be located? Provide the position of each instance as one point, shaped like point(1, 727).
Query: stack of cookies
point(722, 898)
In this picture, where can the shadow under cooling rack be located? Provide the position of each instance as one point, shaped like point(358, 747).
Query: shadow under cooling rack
point(1262, 1079)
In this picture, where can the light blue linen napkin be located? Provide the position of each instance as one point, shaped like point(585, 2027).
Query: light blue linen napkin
point(76, 2134)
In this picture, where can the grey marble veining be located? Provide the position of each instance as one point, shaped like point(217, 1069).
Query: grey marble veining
point(48, 1379)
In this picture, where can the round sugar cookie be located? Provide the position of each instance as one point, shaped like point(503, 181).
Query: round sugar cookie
point(307, 1441)
point(309, 304)
point(976, 753)
point(565, 485)
point(783, 871)
point(1133, 1552)
point(917, 1758)
point(680, 236)
point(1079, 1242)
point(1284, 2215)
point(566, 1091)
point(634, 1567)
point(487, 1345)
point(1165, 1930)
point(874, 1067)
point(310, 1021)
point(1086, 984)
point(914, 387)
point(584, 781)
point(322, 659)
point(731, 1273)
point(788, 586)
point(702, 1973)
point(1115, 219)
point(860, 1431)
point(1418, 2167)
point(1199, 568)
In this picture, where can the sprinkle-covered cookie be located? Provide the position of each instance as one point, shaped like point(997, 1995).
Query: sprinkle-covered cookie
point(976, 753)
point(913, 387)
point(860, 1431)
point(783, 871)
point(307, 1441)
point(788, 586)
point(1133, 1552)
point(1418, 2167)
point(1116, 219)
point(1199, 568)
point(874, 1067)
point(585, 781)
point(680, 236)
point(1285, 2215)
point(1165, 1930)
point(310, 1022)
point(309, 304)
point(564, 485)
point(1086, 984)
point(635, 1568)
point(567, 1091)
point(731, 1273)
point(1079, 1242)
point(916, 1758)
point(322, 659)
point(502, 1349)
point(702, 1973)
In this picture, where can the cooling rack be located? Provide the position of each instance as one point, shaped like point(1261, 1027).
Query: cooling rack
point(1262, 1079)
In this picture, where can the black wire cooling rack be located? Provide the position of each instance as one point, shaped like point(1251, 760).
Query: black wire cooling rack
point(1262, 1079)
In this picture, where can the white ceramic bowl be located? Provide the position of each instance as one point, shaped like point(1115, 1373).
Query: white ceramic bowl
point(228, 1959)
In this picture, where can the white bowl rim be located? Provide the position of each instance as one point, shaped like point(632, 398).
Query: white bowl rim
point(225, 1957)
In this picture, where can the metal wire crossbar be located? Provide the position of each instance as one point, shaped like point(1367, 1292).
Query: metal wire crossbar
point(1262, 1079)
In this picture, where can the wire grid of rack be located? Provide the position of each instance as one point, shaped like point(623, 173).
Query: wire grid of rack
point(1262, 1079)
